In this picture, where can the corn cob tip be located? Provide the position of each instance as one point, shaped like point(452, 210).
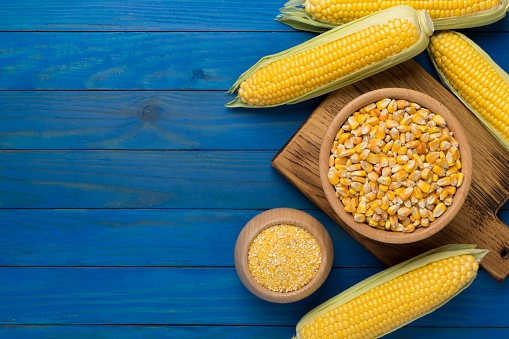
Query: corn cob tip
point(426, 22)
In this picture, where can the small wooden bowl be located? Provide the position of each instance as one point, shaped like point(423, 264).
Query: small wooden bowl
point(274, 217)
point(464, 148)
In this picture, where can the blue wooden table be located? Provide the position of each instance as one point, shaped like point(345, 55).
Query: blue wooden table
point(124, 181)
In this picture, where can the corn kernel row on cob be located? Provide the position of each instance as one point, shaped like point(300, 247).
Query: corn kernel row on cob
point(475, 79)
point(394, 297)
point(335, 59)
point(322, 15)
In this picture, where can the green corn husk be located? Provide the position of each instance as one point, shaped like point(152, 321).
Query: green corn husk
point(294, 15)
point(390, 274)
point(496, 67)
point(420, 19)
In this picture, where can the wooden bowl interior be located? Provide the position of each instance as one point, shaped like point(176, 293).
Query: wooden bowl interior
point(275, 217)
point(452, 123)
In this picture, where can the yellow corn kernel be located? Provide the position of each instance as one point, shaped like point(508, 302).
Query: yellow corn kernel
point(449, 158)
point(444, 181)
point(373, 159)
point(434, 143)
point(409, 166)
point(461, 176)
point(425, 173)
point(381, 104)
point(458, 164)
point(415, 175)
point(359, 217)
point(387, 147)
point(403, 150)
point(423, 186)
point(390, 194)
point(440, 209)
point(443, 194)
point(432, 157)
point(362, 208)
point(333, 176)
point(441, 162)
point(401, 175)
point(452, 170)
point(438, 171)
point(417, 192)
point(392, 209)
point(439, 120)
point(407, 192)
point(340, 161)
point(400, 159)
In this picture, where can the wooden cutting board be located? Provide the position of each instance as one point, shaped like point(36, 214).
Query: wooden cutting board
point(476, 223)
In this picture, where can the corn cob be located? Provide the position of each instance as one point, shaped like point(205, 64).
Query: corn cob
point(395, 297)
point(335, 59)
point(475, 79)
point(320, 15)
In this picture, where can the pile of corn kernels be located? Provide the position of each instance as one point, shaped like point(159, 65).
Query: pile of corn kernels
point(284, 258)
point(395, 165)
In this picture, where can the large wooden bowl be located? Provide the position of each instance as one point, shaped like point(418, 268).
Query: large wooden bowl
point(274, 217)
point(466, 160)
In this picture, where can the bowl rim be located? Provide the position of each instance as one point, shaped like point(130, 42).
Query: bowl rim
point(274, 217)
point(453, 124)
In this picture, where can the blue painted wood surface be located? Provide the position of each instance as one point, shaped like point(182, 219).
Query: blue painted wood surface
point(124, 181)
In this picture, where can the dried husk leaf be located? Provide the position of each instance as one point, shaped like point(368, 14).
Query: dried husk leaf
point(493, 64)
point(421, 21)
point(392, 273)
point(294, 15)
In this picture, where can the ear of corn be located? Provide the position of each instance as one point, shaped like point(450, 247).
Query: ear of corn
point(320, 16)
point(394, 297)
point(475, 79)
point(335, 59)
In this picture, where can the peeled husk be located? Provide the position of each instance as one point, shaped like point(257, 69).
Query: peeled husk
point(392, 273)
point(294, 15)
point(420, 20)
point(497, 68)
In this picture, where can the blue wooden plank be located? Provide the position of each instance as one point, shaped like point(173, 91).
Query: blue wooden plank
point(133, 60)
point(144, 179)
point(142, 120)
point(207, 296)
point(150, 15)
point(225, 332)
point(170, 61)
point(157, 237)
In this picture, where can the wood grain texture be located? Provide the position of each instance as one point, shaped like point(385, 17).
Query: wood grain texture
point(150, 15)
point(199, 296)
point(143, 179)
point(476, 222)
point(226, 332)
point(141, 120)
point(205, 61)
point(142, 237)
point(157, 61)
